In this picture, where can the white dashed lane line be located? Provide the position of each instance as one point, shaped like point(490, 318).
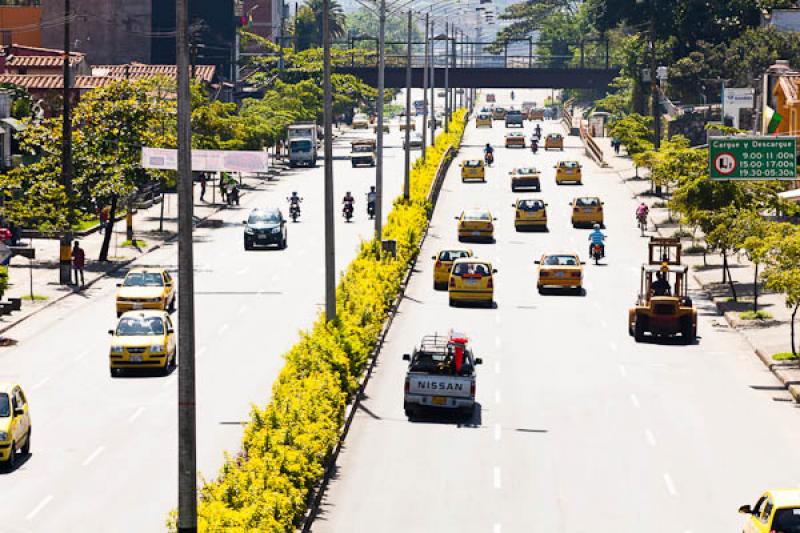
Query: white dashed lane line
point(41, 383)
point(497, 367)
point(497, 398)
point(651, 439)
point(613, 346)
point(38, 509)
point(622, 371)
point(670, 485)
point(95, 454)
point(635, 401)
point(222, 329)
point(498, 482)
point(498, 432)
point(136, 414)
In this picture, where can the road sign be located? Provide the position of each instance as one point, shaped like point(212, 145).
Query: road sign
point(752, 158)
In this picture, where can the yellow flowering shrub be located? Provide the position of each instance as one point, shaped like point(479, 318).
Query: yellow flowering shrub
point(265, 487)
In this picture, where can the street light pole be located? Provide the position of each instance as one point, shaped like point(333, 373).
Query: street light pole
point(433, 83)
point(379, 165)
point(407, 170)
point(425, 91)
point(327, 118)
point(446, 78)
point(187, 429)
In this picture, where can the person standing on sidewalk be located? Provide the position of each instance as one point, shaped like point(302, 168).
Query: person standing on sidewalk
point(78, 263)
point(202, 186)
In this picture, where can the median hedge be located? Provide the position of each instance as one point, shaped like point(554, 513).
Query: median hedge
point(266, 486)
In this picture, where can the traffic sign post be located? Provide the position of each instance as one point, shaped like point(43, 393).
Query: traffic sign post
point(752, 158)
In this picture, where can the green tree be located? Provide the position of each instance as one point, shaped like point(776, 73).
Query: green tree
point(309, 23)
point(364, 23)
point(782, 273)
point(751, 230)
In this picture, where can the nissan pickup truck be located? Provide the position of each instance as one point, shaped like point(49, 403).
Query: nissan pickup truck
point(441, 375)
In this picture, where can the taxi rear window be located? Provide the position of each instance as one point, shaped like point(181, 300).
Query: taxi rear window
point(560, 260)
point(479, 269)
point(786, 521)
point(587, 202)
point(452, 255)
point(530, 205)
point(473, 163)
point(568, 164)
point(477, 216)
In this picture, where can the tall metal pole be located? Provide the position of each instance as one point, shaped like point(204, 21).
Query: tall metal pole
point(187, 430)
point(327, 119)
point(407, 173)
point(65, 263)
point(425, 91)
point(654, 82)
point(379, 164)
point(433, 82)
point(446, 78)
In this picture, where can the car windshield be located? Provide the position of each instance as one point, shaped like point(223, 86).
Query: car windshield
point(531, 205)
point(5, 405)
point(271, 217)
point(786, 521)
point(149, 325)
point(499, 110)
point(440, 362)
point(560, 260)
point(514, 113)
point(452, 255)
point(478, 215)
point(554, 136)
point(478, 269)
point(587, 202)
point(483, 116)
point(473, 163)
point(362, 148)
point(143, 279)
point(360, 117)
point(303, 145)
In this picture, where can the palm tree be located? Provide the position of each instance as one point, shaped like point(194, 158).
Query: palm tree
point(309, 23)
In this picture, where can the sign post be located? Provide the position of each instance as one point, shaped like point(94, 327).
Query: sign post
point(752, 158)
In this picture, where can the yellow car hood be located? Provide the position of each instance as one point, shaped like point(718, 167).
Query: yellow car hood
point(134, 341)
point(140, 292)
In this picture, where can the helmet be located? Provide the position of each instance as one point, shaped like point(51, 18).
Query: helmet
point(372, 188)
point(294, 193)
point(347, 193)
point(597, 226)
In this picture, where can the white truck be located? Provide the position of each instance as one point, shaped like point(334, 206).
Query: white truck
point(303, 142)
point(441, 374)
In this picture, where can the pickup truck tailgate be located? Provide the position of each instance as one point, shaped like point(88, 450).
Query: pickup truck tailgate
point(451, 386)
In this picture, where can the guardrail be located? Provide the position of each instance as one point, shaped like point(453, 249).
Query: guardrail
point(593, 151)
point(441, 172)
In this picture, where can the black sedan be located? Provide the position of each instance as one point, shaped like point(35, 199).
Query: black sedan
point(265, 227)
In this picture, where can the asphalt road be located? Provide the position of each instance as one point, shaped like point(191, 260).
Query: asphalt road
point(578, 428)
point(104, 452)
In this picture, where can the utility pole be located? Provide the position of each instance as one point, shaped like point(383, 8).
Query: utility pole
point(425, 92)
point(407, 173)
point(327, 114)
point(446, 78)
point(187, 429)
point(65, 256)
point(433, 83)
point(654, 82)
point(379, 165)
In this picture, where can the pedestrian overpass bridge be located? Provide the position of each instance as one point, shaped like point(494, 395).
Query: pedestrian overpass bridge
point(519, 64)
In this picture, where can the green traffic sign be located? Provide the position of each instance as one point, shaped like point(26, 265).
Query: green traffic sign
point(752, 158)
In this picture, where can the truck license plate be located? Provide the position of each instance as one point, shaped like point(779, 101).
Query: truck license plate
point(439, 400)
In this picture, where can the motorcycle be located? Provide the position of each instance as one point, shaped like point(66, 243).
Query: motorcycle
point(347, 211)
point(371, 210)
point(233, 195)
point(294, 212)
point(597, 253)
point(489, 158)
point(534, 145)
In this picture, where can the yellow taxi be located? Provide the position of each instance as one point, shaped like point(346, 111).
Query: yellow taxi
point(142, 339)
point(15, 424)
point(536, 114)
point(476, 224)
point(775, 511)
point(444, 262)
point(525, 178)
point(587, 211)
point(360, 121)
point(483, 120)
point(515, 138)
point(531, 213)
point(569, 172)
point(554, 141)
point(471, 281)
point(473, 169)
point(563, 271)
point(499, 113)
point(146, 288)
point(412, 126)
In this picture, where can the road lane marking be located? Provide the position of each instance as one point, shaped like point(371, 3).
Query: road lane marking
point(201, 352)
point(36, 510)
point(41, 383)
point(498, 528)
point(242, 310)
point(242, 271)
point(603, 324)
point(497, 398)
point(497, 318)
point(497, 432)
point(596, 305)
point(95, 455)
point(613, 346)
point(497, 367)
point(81, 355)
point(498, 342)
point(651, 439)
point(497, 480)
point(634, 400)
point(222, 329)
point(622, 371)
point(670, 485)
point(135, 415)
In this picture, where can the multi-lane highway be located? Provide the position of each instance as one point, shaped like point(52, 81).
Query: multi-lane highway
point(104, 454)
point(578, 428)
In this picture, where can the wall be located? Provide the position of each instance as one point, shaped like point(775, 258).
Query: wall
point(27, 19)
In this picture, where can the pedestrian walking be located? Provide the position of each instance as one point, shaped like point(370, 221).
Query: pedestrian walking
point(78, 263)
point(223, 186)
point(202, 186)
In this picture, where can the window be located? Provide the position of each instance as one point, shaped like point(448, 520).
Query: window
point(786, 521)
point(140, 326)
point(5, 405)
point(767, 510)
point(143, 279)
point(270, 217)
point(531, 205)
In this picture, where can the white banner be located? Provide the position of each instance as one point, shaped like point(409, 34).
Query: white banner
point(734, 99)
point(207, 160)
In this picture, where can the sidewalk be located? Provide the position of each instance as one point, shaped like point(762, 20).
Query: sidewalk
point(767, 337)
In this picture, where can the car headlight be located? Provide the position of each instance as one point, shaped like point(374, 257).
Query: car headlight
point(276, 230)
point(117, 349)
point(3, 435)
point(157, 348)
point(249, 231)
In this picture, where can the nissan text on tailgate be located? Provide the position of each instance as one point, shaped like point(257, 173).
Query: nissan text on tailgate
point(441, 375)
